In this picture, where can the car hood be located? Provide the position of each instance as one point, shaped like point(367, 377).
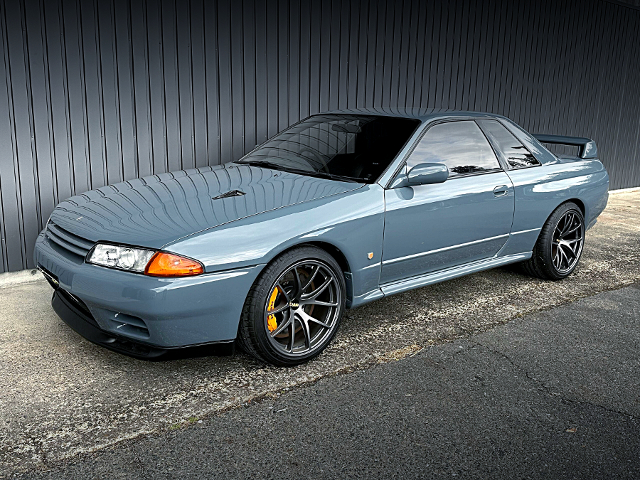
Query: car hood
point(155, 211)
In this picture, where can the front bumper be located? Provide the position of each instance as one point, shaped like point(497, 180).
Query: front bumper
point(139, 315)
point(84, 324)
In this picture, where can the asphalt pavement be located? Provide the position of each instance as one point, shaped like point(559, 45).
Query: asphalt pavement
point(551, 395)
point(70, 408)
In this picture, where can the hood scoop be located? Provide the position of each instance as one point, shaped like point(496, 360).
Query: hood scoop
point(232, 193)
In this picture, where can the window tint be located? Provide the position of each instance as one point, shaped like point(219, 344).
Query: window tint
point(358, 147)
point(515, 154)
point(461, 146)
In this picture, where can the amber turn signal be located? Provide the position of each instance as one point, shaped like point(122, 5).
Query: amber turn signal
point(164, 264)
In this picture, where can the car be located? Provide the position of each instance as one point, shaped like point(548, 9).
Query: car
point(338, 210)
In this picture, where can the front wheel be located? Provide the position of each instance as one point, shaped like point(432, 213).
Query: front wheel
point(293, 310)
point(559, 246)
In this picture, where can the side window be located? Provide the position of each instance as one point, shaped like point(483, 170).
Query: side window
point(515, 154)
point(461, 146)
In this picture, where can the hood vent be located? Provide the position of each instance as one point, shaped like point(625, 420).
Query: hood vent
point(232, 193)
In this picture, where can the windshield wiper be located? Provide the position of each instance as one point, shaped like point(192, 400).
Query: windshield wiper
point(311, 173)
point(264, 164)
point(335, 176)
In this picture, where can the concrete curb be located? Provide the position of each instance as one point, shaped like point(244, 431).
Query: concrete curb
point(10, 279)
point(624, 190)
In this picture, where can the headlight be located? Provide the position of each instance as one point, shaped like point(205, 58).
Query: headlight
point(120, 257)
point(142, 260)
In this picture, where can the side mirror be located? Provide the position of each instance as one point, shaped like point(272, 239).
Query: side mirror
point(427, 173)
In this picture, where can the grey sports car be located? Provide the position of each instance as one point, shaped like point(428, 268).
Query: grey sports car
point(340, 209)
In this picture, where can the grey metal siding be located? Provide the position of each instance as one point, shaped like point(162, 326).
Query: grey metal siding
point(96, 92)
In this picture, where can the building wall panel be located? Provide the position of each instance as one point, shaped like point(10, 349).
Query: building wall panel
point(99, 91)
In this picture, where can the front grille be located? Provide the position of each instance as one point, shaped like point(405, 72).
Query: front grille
point(68, 241)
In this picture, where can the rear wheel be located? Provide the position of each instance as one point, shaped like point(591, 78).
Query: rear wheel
point(559, 246)
point(294, 308)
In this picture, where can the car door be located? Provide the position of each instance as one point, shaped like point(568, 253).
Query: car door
point(465, 219)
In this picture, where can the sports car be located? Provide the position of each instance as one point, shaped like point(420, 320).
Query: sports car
point(340, 209)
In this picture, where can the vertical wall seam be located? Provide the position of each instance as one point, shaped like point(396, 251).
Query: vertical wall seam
point(30, 105)
point(16, 152)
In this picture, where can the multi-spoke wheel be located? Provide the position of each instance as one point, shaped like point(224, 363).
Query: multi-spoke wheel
point(559, 245)
point(294, 308)
point(568, 238)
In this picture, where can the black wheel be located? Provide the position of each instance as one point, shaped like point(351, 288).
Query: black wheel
point(294, 308)
point(559, 245)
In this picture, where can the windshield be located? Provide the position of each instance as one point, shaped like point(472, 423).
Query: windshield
point(345, 147)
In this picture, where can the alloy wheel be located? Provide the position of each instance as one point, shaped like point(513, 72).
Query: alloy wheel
point(568, 240)
point(303, 308)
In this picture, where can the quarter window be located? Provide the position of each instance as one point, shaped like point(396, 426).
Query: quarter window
point(515, 154)
point(461, 146)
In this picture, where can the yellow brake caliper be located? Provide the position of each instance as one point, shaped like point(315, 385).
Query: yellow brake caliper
point(272, 324)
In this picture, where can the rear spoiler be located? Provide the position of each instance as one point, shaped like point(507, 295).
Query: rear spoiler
point(587, 146)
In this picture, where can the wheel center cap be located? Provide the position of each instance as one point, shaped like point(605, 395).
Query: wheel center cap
point(294, 305)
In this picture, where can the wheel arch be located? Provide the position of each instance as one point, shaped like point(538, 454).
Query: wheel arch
point(578, 202)
point(332, 250)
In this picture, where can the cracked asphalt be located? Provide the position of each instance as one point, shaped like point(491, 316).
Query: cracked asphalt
point(493, 374)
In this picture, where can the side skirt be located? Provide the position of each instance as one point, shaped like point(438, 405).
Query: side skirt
point(450, 273)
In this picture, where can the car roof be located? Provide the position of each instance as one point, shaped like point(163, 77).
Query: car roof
point(422, 114)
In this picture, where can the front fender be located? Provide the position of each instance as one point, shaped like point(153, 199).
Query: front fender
point(352, 222)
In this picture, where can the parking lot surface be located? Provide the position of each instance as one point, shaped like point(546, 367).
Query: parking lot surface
point(61, 396)
point(551, 395)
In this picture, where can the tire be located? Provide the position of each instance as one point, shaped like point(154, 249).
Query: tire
point(559, 246)
point(301, 294)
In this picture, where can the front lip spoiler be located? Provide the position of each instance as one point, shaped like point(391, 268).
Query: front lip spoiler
point(88, 328)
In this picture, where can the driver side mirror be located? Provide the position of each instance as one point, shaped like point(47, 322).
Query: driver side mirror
point(427, 173)
point(423, 174)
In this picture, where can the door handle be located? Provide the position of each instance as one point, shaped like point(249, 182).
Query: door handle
point(501, 190)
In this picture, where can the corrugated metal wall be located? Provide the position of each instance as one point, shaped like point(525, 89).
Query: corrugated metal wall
point(94, 92)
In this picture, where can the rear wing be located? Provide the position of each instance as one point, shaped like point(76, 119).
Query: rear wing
point(587, 147)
